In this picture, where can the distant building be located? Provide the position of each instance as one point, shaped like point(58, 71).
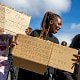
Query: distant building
point(13, 22)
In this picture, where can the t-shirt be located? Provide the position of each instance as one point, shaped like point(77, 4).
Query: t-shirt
point(50, 37)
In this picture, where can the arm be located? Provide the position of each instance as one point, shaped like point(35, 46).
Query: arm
point(12, 41)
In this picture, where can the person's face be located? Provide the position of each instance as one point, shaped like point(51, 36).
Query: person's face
point(28, 31)
point(56, 25)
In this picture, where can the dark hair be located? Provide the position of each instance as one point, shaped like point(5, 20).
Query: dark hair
point(64, 43)
point(75, 42)
point(48, 18)
point(29, 28)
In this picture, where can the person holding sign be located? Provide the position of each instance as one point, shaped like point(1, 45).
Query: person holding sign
point(6, 42)
point(76, 45)
point(50, 25)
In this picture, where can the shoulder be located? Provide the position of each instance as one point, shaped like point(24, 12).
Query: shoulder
point(55, 39)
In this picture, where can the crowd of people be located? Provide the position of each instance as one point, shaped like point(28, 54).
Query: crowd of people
point(50, 25)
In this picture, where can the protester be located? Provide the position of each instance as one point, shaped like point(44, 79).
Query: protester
point(50, 25)
point(76, 45)
point(28, 31)
point(5, 43)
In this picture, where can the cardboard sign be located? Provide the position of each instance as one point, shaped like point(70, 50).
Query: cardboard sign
point(32, 53)
point(35, 54)
point(61, 58)
point(12, 21)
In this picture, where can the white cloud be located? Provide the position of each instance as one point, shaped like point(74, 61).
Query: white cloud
point(65, 37)
point(58, 5)
point(15, 3)
point(36, 7)
point(75, 26)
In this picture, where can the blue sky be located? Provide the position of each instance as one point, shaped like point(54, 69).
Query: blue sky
point(69, 10)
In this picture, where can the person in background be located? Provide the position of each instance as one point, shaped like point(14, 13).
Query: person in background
point(76, 45)
point(64, 43)
point(50, 25)
point(28, 31)
point(6, 41)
